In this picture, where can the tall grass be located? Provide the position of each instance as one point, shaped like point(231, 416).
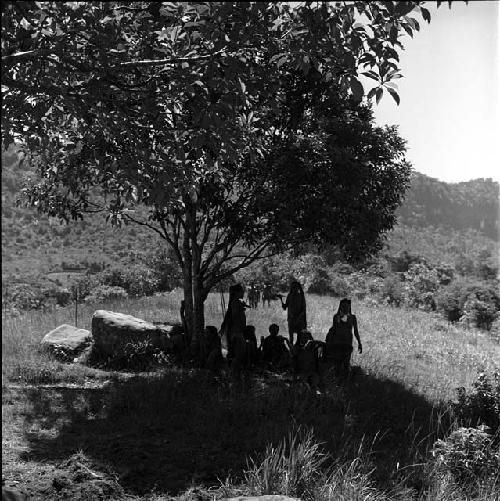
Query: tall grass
point(367, 440)
point(416, 348)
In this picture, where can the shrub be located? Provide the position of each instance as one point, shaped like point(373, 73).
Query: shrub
point(339, 286)
point(342, 269)
point(104, 293)
point(421, 283)
point(445, 274)
point(85, 285)
point(480, 313)
point(138, 356)
point(319, 283)
point(495, 329)
point(469, 455)
point(482, 404)
point(137, 280)
point(477, 302)
point(391, 291)
point(403, 261)
point(24, 297)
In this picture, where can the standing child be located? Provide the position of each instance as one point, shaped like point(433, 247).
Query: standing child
point(252, 352)
point(296, 305)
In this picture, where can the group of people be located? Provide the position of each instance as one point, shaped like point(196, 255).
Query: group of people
point(299, 351)
point(256, 293)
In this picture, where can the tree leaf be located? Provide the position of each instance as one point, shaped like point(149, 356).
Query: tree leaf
point(394, 94)
point(357, 89)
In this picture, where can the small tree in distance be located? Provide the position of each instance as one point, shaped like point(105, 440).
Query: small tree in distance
point(238, 125)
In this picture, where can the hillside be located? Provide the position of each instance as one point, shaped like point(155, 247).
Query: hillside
point(439, 221)
point(462, 206)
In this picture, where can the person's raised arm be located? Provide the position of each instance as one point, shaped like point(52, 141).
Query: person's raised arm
point(283, 304)
point(356, 334)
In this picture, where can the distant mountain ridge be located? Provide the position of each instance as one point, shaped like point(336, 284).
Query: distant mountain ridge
point(467, 205)
point(434, 215)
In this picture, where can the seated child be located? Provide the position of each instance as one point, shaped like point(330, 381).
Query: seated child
point(252, 351)
point(305, 356)
point(275, 350)
point(211, 349)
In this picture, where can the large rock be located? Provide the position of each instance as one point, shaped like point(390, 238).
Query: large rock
point(113, 331)
point(67, 341)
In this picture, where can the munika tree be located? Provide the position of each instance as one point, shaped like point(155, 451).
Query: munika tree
point(203, 113)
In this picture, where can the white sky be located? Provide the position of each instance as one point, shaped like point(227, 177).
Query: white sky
point(449, 111)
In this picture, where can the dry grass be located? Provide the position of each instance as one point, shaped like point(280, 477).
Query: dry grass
point(182, 428)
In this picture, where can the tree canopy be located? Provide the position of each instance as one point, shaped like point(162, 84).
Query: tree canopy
point(238, 124)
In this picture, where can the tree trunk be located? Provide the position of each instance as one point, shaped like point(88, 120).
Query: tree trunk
point(198, 312)
point(188, 303)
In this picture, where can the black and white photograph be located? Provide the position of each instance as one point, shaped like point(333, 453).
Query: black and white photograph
point(250, 251)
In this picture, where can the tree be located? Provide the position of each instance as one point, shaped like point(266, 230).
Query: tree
point(192, 108)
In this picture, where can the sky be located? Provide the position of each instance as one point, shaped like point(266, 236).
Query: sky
point(450, 94)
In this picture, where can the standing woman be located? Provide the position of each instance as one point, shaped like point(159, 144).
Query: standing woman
point(339, 339)
point(234, 325)
point(296, 305)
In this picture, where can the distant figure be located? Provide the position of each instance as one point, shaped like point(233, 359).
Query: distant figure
point(275, 348)
point(339, 339)
point(233, 327)
point(306, 360)
point(267, 294)
point(211, 349)
point(252, 296)
point(296, 305)
point(252, 351)
point(257, 296)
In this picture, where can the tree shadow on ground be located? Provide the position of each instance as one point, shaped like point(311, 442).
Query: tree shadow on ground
point(189, 428)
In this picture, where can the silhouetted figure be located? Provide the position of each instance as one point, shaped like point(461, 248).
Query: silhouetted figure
point(339, 339)
point(211, 349)
point(306, 360)
point(233, 327)
point(267, 295)
point(296, 305)
point(275, 348)
point(252, 351)
point(252, 296)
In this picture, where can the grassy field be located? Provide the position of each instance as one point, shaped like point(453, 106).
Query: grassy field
point(104, 435)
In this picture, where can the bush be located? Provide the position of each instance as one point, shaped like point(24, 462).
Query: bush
point(477, 302)
point(85, 285)
point(482, 404)
point(339, 286)
point(165, 267)
point(421, 284)
point(391, 291)
point(403, 261)
point(469, 455)
point(319, 283)
point(139, 356)
point(495, 329)
point(137, 280)
point(103, 293)
point(480, 313)
point(445, 274)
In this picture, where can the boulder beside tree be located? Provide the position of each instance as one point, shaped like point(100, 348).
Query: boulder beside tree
point(114, 332)
point(67, 342)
